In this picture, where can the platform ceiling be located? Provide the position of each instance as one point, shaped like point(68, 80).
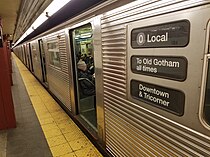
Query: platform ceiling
point(18, 15)
point(8, 13)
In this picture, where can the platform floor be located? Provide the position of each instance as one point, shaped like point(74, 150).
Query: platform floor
point(43, 128)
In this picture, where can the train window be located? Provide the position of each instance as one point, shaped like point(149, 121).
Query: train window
point(54, 54)
point(34, 52)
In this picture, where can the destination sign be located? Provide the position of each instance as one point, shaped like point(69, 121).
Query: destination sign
point(174, 68)
point(174, 34)
point(165, 98)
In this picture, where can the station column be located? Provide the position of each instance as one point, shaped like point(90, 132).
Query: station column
point(7, 115)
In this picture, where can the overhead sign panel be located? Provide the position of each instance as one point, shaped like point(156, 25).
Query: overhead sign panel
point(165, 98)
point(174, 34)
point(174, 68)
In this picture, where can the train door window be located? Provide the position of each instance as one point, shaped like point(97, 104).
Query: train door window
point(43, 61)
point(206, 109)
point(84, 69)
point(34, 52)
point(54, 54)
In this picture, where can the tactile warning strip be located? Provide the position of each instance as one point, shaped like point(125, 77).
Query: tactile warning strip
point(64, 138)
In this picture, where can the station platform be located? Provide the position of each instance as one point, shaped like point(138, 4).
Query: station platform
point(43, 128)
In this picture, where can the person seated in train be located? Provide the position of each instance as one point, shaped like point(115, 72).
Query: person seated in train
point(78, 56)
point(88, 59)
point(91, 70)
point(90, 63)
point(83, 57)
point(86, 81)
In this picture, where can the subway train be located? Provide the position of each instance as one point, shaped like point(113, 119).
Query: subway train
point(148, 63)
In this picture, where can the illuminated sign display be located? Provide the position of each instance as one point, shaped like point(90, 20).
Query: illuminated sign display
point(167, 99)
point(175, 34)
point(174, 68)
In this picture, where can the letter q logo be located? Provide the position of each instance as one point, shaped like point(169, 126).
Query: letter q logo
point(140, 39)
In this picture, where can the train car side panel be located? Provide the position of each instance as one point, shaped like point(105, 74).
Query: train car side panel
point(36, 59)
point(133, 127)
point(57, 66)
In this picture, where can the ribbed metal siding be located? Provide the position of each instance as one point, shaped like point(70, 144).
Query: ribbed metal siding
point(135, 132)
point(114, 59)
point(59, 78)
point(130, 129)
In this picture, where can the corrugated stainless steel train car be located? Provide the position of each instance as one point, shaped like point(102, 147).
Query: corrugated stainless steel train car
point(151, 74)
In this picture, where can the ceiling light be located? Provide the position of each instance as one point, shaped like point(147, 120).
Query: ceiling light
point(54, 6)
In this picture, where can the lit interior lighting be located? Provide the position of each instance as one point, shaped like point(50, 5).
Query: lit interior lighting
point(86, 35)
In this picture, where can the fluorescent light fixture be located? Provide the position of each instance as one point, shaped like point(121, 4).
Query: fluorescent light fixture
point(86, 35)
point(49, 11)
point(41, 19)
point(54, 6)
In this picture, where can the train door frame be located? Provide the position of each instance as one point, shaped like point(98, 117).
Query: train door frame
point(43, 61)
point(206, 67)
point(24, 55)
point(21, 53)
point(73, 58)
point(30, 56)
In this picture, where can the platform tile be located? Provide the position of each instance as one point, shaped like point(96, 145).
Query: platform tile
point(61, 150)
point(57, 140)
point(88, 152)
point(73, 135)
point(52, 133)
point(80, 143)
point(69, 155)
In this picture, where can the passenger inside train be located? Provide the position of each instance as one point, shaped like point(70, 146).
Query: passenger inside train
point(86, 81)
point(83, 52)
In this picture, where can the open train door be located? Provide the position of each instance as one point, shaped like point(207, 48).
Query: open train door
point(84, 76)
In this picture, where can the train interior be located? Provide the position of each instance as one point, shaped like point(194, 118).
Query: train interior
point(84, 79)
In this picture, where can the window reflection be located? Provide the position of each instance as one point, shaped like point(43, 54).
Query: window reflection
point(54, 54)
point(34, 52)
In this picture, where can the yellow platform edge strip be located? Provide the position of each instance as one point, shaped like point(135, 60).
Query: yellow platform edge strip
point(63, 136)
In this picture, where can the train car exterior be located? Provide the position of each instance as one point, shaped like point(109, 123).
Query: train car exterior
point(151, 75)
point(57, 66)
